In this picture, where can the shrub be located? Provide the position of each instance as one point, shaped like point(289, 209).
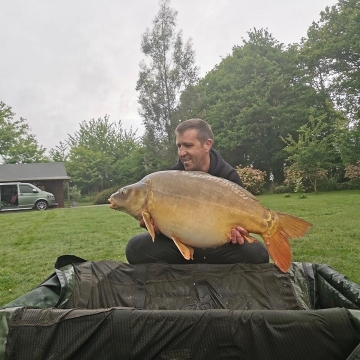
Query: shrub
point(74, 193)
point(253, 179)
point(282, 189)
point(295, 179)
point(328, 184)
point(345, 186)
point(88, 197)
point(353, 173)
point(303, 183)
point(103, 196)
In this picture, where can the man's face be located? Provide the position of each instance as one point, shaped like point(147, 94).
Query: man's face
point(192, 153)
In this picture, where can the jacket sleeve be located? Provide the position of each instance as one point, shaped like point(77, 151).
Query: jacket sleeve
point(234, 177)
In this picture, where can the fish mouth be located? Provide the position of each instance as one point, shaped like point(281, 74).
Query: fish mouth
point(112, 203)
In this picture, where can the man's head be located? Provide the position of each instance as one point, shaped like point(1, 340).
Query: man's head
point(194, 140)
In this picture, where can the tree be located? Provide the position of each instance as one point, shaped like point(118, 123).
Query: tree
point(60, 153)
point(89, 170)
point(252, 98)
point(169, 71)
point(314, 150)
point(17, 145)
point(348, 141)
point(93, 152)
point(131, 168)
point(332, 54)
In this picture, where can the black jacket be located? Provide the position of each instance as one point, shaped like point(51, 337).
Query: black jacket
point(218, 167)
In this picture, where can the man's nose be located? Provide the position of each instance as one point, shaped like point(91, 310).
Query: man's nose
point(181, 151)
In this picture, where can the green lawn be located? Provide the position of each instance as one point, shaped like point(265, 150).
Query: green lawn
point(31, 241)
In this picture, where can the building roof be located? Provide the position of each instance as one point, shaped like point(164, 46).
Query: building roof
point(38, 171)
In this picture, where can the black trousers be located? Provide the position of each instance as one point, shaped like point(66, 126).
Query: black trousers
point(141, 249)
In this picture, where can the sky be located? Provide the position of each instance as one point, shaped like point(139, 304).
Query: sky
point(63, 62)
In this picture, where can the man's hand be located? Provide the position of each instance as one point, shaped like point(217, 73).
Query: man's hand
point(142, 224)
point(238, 235)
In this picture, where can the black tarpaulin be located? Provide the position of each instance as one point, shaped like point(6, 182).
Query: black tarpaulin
point(111, 310)
point(199, 286)
point(211, 334)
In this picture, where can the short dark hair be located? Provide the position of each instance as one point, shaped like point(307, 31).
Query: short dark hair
point(204, 131)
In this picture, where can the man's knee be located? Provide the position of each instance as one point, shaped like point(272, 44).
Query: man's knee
point(136, 247)
point(252, 253)
point(260, 252)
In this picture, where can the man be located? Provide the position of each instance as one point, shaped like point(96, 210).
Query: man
point(194, 140)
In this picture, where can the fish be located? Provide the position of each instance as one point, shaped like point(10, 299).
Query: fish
point(196, 209)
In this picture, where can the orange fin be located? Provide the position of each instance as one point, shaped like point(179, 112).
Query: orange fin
point(249, 239)
point(186, 251)
point(293, 226)
point(150, 227)
point(278, 244)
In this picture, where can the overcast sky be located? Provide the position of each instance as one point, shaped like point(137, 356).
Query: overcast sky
point(65, 61)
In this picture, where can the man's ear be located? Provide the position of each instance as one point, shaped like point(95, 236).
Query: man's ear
point(208, 145)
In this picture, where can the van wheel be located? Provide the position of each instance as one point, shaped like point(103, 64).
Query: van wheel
point(41, 205)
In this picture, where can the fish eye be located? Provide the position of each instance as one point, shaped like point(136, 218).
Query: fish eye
point(122, 191)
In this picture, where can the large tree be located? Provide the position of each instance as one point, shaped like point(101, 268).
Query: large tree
point(332, 55)
point(252, 98)
point(348, 142)
point(169, 70)
point(95, 153)
point(17, 144)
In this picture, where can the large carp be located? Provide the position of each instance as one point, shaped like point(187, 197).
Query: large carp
point(196, 209)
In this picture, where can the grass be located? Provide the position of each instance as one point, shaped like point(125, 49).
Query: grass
point(31, 241)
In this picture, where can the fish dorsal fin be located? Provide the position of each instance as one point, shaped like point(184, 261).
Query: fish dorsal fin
point(186, 251)
point(150, 227)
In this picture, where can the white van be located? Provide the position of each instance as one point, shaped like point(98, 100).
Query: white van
point(18, 196)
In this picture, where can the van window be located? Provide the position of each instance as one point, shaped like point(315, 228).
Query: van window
point(26, 189)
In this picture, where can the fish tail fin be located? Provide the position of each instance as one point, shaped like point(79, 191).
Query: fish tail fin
point(278, 243)
point(293, 226)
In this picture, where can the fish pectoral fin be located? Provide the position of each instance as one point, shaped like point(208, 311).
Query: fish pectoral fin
point(149, 225)
point(186, 251)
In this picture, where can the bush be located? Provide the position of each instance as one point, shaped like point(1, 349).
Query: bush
point(303, 183)
point(253, 179)
point(328, 184)
point(282, 189)
point(88, 197)
point(345, 186)
point(295, 179)
point(103, 196)
point(353, 185)
point(74, 193)
point(353, 173)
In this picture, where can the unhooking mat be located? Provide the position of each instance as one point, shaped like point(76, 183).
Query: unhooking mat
point(111, 310)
